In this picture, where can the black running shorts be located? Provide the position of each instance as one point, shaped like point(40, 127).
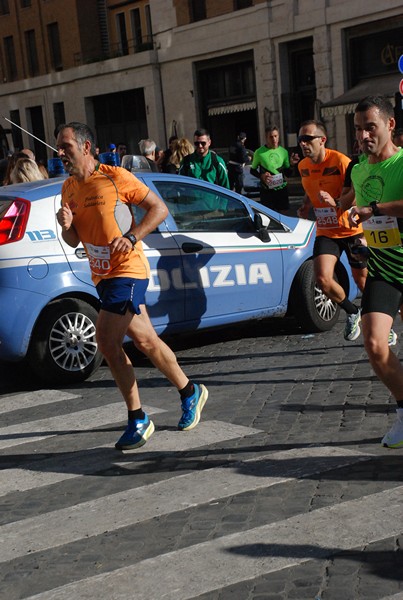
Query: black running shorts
point(336, 246)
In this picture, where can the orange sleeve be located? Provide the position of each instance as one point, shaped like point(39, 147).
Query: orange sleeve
point(131, 189)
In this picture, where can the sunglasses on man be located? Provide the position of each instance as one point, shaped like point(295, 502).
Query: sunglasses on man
point(307, 138)
point(200, 143)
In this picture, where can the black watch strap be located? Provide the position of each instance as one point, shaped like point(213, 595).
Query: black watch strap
point(131, 237)
point(375, 209)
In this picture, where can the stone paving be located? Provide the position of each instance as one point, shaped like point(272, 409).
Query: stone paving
point(298, 391)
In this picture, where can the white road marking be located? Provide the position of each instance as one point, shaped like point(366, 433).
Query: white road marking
point(181, 575)
point(83, 420)
point(61, 467)
point(67, 525)
point(33, 399)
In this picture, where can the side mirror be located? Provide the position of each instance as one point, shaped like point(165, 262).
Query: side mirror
point(261, 230)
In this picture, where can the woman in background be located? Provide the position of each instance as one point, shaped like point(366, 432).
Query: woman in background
point(25, 170)
point(180, 149)
point(11, 164)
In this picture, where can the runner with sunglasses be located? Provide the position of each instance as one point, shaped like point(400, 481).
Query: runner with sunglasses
point(204, 163)
point(322, 174)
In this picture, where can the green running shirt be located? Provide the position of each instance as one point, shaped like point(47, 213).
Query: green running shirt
point(382, 182)
point(271, 159)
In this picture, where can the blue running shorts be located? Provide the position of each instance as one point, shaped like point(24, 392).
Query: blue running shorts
point(120, 294)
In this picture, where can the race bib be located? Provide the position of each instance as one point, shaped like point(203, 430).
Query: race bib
point(99, 258)
point(382, 232)
point(276, 181)
point(326, 217)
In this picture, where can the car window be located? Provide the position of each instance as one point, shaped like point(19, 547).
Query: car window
point(272, 224)
point(196, 208)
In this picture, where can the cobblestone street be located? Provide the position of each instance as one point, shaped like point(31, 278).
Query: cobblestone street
point(282, 492)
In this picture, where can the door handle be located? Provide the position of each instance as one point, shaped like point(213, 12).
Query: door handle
point(190, 247)
point(80, 253)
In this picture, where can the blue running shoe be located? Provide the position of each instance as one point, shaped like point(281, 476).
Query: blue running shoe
point(136, 434)
point(192, 407)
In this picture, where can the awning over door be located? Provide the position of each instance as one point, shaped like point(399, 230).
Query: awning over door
point(227, 109)
point(345, 104)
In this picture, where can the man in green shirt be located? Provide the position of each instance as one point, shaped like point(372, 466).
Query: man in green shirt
point(378, 189)
point(270, 163)
point(204, 163)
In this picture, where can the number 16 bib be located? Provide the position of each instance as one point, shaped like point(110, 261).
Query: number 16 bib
point(382, 232)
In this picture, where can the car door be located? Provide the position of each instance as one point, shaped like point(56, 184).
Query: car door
point(165, 299)
point(227, 269)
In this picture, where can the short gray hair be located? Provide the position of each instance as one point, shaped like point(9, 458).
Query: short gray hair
point(147, 147)
point(82, 134)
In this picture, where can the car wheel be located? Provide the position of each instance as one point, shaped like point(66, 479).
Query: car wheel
point(63, 348)
point(312, 309)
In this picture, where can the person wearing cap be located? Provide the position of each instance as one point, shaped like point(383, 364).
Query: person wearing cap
point(238, 157)
point(112, 148)
point(270, 163)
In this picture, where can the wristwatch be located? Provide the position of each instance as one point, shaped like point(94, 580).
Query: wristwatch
point(131, 237)
point(375, 209)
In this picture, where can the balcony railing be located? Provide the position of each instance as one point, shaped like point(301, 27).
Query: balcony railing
point(116, 50)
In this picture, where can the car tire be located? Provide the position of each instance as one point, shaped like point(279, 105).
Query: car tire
point(312, 309)
point(63, 348)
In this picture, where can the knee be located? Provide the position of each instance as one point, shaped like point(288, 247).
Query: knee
point(324, 282)
point(147, 344)
point(377, 350)
point(107, 345)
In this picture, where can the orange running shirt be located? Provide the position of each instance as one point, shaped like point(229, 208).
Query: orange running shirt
point(328, 176)
point(101, 212)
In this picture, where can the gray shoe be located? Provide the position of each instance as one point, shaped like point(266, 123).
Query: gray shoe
point(392, 338)
point(352, 329)
point(394, 437)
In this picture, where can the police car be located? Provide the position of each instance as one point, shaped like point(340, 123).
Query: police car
point(217, 259)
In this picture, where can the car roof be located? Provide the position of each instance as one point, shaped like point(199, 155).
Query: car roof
point(34, 190)
point(147, 176)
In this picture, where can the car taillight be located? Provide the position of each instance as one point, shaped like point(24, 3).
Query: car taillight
point(13, 221)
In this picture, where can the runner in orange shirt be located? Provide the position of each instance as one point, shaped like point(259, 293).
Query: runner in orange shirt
point(96, 211)
point(322, 174)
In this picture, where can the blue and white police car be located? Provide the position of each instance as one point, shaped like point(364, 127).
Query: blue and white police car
point(217, 259)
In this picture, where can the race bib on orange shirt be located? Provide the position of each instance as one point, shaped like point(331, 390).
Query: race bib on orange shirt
point(382, 232)
point(99, 258)
point(326, 217)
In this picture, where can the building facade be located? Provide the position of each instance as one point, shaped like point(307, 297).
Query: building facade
point(153, 68)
